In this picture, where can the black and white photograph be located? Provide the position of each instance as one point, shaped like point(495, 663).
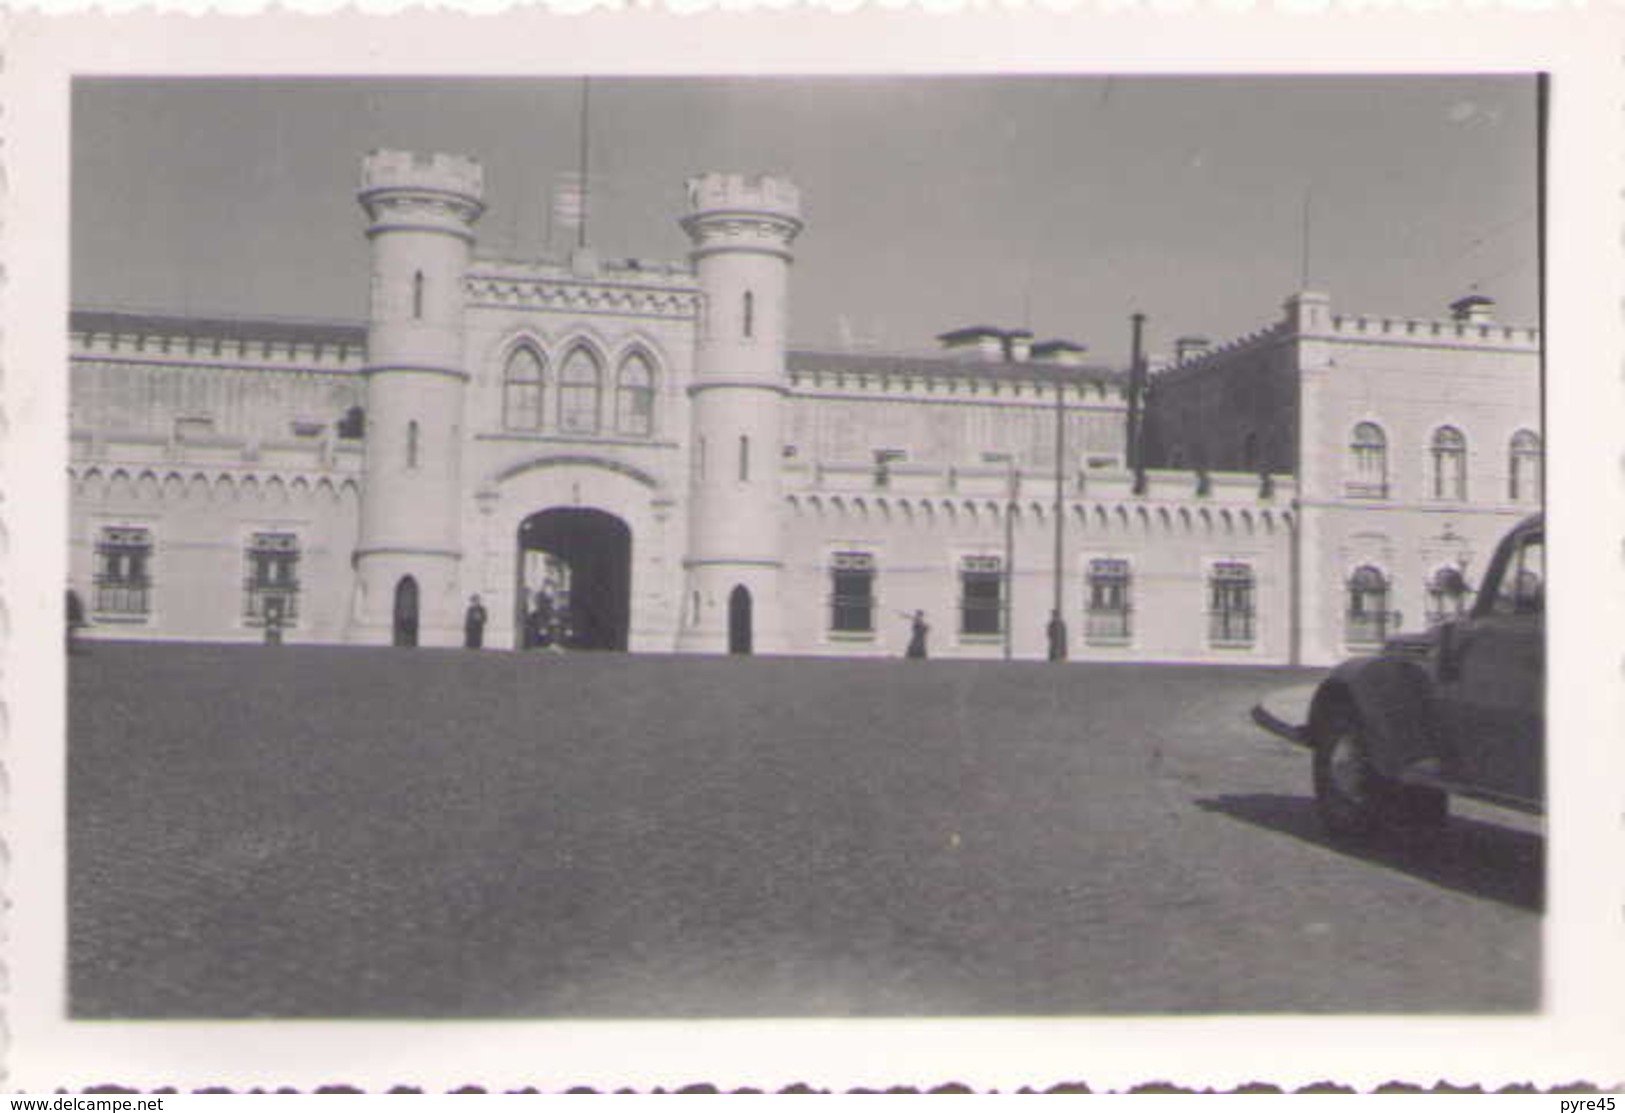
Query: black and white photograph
point(588, 546)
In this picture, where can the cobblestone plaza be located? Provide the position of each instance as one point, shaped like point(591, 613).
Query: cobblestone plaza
point(340, 832)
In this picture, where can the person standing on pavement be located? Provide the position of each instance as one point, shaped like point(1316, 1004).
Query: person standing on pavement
point(918, 630)
point(1055, 631)
point(474, 624)
point(542, 618)
point(76, 620)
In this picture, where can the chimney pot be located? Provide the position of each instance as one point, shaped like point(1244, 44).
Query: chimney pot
point(1475, 309)
point(1190, 347)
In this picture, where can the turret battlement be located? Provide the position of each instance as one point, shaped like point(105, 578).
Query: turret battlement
point(413, 170)
point(1466, 333)
point(756, 193)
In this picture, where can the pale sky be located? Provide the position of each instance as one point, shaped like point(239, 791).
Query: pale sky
point(1062, 204)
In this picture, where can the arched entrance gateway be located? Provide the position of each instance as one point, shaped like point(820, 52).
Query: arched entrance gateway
point(574, 580)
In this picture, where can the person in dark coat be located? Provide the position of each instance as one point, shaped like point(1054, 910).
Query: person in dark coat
point(273, 621)
point(474, 624)
point(543, 618)
point(1055, 631)
point(917, 632)
point(76, 620)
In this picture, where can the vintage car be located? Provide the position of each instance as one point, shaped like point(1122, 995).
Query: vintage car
point(1456, 710)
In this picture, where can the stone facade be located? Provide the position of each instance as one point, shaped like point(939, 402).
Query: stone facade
point(635, 439)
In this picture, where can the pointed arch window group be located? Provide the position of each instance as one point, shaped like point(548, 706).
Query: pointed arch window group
point(576, 396)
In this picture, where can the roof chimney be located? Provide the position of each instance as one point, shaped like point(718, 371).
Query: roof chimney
point(981, 343)
point(1064, 352)
point(1474, 309)
point(1190, 347)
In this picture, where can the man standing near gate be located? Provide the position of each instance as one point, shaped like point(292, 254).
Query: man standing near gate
point(474, 624)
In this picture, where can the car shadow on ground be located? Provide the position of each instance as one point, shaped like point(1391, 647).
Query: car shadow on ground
point(1467, 855)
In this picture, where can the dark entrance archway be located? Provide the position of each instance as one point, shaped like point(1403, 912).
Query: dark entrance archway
point(406, 611)
point(582, 559)
point(739, 634)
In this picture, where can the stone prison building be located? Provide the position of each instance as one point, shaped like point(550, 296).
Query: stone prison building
point(635, 440)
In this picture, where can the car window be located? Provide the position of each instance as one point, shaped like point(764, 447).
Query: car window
point(1522, 589)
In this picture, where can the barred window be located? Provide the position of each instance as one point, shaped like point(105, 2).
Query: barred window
point(1106, 620)
point(852, 598)
point(635, 396)
point(271, 586)
point(1447, 592)
point(1368, 462)
point(981, 595)
point(124, 572)
point(1449, 464)
point(1523, 472)
point(1230, 604)
point(1369, 619)
point(523, 383)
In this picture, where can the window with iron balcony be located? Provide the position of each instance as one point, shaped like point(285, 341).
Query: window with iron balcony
point(1106, 616)
point(271, 586)
point(1369, 620)
point(981, 596)
point(1232, 619)
point(124, 574)
point(852, 594)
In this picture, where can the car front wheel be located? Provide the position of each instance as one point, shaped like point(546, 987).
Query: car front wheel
point(1355, 801)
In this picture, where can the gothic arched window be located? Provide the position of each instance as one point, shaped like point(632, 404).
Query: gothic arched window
point(635, 396)
point(1369, 619)
point(522, 386)
point(1449, 464)
point(749, 315)
point(417, 296)
point(412, 444)
point(579, 385)
point(1368, 462)
point(1523, 472)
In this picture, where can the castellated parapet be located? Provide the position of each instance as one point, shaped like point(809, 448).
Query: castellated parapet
point(742, 212)
point(425, 192)
point(747, 192)
point(441, 173)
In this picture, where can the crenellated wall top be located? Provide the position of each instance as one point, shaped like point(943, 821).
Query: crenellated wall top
point(1433, 331)
point(260, 345)
point(748, 193)
point(918, 386)
point(983, 483)
point(412, 170)
point(1248, 343)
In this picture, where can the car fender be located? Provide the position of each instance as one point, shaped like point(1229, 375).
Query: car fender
point(1393, 699)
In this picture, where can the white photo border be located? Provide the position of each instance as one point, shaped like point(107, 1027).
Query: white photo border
point(1578, 1034)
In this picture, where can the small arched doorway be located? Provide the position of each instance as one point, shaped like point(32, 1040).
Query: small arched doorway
point(406, 611)
point(739, 621)
point(579, 561)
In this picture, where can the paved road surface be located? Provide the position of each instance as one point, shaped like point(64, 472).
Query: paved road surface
point(340, 832)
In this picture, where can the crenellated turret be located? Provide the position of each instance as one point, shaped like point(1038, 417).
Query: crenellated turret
point(741, 229)
point(421, 212)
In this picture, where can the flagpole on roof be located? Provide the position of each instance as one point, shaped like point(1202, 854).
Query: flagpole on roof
point(581, 229)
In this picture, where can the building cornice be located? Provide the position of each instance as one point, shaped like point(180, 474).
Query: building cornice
point(581, 296)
